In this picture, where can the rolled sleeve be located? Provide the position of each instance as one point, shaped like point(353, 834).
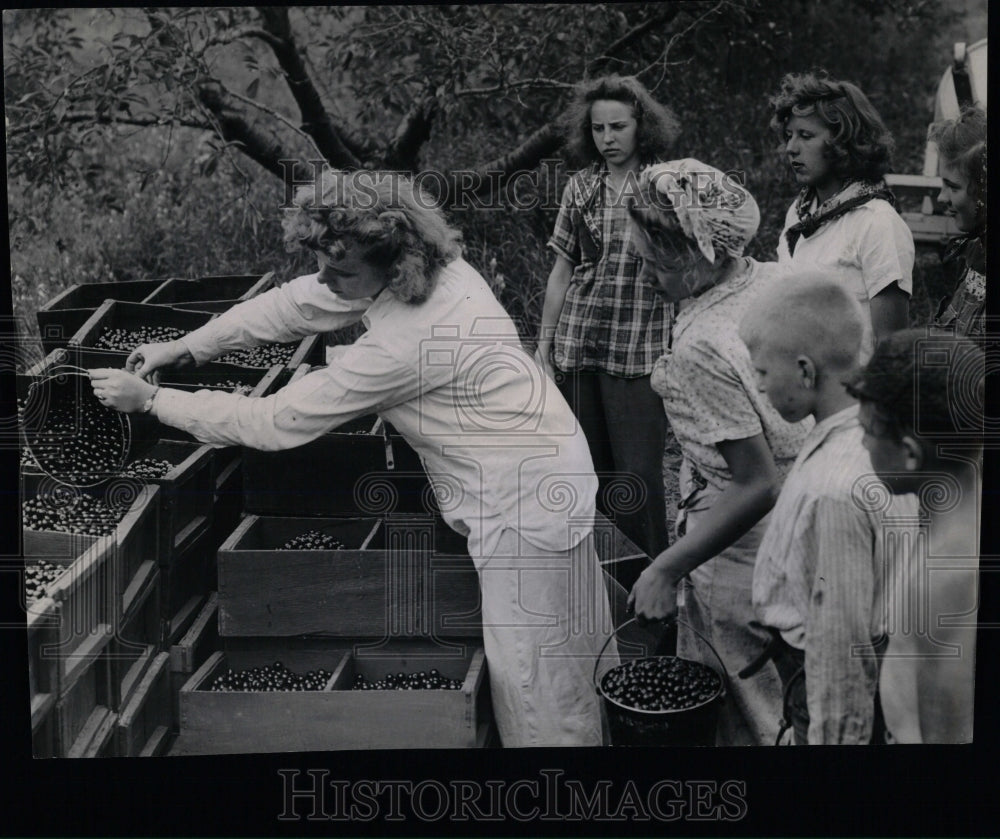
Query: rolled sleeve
point(365, 378)
point(841, 666)
point(291, 311)
point(886, 251)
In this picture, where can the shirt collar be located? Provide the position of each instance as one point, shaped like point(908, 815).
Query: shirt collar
point(823, 430)
point(713, 295)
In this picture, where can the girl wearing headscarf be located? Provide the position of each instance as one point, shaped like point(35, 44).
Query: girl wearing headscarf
point(691, 226)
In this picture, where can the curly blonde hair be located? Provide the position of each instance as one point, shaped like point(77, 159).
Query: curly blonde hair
point(396, 226)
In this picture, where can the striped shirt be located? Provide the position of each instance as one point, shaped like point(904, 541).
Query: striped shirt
point(610, 320)
point(819, 574)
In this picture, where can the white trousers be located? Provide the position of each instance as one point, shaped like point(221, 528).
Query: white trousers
point(545, 620)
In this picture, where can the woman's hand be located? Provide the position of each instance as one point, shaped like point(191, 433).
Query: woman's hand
point(654, 595)
point(120, 389)
point(147, 359)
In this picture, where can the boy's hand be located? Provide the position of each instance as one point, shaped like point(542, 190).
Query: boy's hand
point(654, 595)
point(120, 390)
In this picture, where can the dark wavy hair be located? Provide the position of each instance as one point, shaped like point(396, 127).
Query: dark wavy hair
point(861, 145)
point(396, 225)
point(929, 384)
point(962, 143)
point(657, 129)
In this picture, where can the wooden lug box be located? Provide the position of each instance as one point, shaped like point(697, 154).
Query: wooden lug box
point(307, 348)
point(84, 718)
point(139, 635)
point(185, 587)
point(43, 623)
point(321, 477)
point(187, 493)
point(191, 649)
point(61, 317)
point(229, 288)
point(362, 467)
point(228, 501)
point(337, 717)
point(208, 377)
point(144, 722)
point(113, 314)
point(94, 588)
point(401, 576)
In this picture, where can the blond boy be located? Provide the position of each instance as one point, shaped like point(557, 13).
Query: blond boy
point(818, 579)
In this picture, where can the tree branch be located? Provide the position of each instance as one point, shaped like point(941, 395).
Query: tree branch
point(278, 116)
point(496, 173)
point(315, 120)
point(501, 86)
point(598, 64)
point(412, 133)
point(257, 140)
point(74, 117)
point(243, 32)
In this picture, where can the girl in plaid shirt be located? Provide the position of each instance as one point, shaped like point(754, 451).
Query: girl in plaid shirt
point(602, 330)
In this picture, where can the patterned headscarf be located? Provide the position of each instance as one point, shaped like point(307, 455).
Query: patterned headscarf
point(714, 208)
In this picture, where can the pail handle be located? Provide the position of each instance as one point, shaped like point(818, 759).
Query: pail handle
point(704, 640)
point(73, 370)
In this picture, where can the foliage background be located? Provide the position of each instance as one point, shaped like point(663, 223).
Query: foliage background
point(139, 202)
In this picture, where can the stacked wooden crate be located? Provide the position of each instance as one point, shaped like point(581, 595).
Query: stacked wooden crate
point(403, 595)
point(82, 662)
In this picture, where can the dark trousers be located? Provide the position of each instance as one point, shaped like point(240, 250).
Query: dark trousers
point(626, 428)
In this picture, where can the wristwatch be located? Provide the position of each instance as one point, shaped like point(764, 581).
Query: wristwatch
point(147, 406)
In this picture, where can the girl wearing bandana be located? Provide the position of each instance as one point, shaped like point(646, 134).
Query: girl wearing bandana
point(961, 147)
point(844, 218)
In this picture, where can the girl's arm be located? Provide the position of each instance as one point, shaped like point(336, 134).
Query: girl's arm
point(743, 503)
point(890, 310)
point(555, 296)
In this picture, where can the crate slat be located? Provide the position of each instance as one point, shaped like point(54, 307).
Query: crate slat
point(147, 710)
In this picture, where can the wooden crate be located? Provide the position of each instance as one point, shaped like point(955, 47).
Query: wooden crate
point(187, 493)
point(82, 595)
point(61, 317)
point(190, 650)
point(361, 467)
point(408, 577)
point(43, 663)
point(139, 636)
point(234, 288)
point(84, 704)
point(43, 732)
point(96, 739)
point(310, 347)
point(337, 717)
point(211, 375)
point(113, 314)
point(146, 716)
point(228, 502)
point(185, 586)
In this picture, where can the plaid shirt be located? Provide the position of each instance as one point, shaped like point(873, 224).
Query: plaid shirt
point(610, 321)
